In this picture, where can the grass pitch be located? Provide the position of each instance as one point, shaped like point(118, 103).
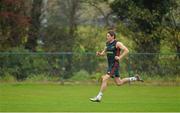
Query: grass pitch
point(75, 98)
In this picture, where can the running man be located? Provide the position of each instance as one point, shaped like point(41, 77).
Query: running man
point(114, 55)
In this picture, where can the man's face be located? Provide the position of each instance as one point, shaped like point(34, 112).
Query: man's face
point(109, 37)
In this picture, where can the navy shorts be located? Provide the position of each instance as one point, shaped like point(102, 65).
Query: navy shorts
point(113, 70)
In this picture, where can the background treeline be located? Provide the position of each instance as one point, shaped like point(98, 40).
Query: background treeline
point(80, 26)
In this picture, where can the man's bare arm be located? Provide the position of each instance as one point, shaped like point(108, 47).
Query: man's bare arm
point(101, 53)
point(122, 47)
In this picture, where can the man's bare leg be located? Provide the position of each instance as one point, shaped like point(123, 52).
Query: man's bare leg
point(104, 82)
point(102, 88)
point(120, 82)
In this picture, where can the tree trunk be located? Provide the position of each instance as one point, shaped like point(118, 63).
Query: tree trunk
point(74, 4)
point(34, 33)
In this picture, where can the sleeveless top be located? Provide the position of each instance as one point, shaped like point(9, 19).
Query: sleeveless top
point(112, 51)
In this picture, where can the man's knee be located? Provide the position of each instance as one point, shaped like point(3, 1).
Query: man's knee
point(104, 78)
point(119, 83)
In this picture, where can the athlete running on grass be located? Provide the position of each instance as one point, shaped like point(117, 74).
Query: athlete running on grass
point(114, 55)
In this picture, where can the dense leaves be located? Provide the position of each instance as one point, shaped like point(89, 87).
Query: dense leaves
point(80, 26)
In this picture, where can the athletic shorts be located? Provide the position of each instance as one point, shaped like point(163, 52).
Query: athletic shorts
point(113, 70)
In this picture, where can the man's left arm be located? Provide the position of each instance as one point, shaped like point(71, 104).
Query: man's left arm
point(122, 47)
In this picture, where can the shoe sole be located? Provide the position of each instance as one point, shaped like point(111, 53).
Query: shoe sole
point(139, 78)
point(95, 100)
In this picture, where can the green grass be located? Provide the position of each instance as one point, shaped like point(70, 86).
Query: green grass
point(56, 98)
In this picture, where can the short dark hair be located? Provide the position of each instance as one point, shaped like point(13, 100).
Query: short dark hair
point(112, 33)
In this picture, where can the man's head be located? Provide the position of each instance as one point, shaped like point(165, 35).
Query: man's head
point(111, 36)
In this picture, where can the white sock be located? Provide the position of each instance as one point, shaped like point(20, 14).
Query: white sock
point(100, 94)
point(132, 79)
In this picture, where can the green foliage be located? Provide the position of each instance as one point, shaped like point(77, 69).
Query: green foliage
point(22, 64)
point(96, 76)
point(35, 25)
point(41, 78)
point(13, 23)
point(79, 27)
point(95, 36)
point(144, 21)
point(81, 75)
point(55, 39)
point(144, 18)
point(7, 78)
point(166, 65)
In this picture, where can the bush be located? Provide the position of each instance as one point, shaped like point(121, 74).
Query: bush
point(7, 78)
point(22, 63)
point(95, 76)
point(81, 75)
point(41, 78)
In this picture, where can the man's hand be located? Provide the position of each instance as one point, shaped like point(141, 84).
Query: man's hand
point(117, 57)
point(98, 53)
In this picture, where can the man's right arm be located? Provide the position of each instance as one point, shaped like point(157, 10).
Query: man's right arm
point(101, 53)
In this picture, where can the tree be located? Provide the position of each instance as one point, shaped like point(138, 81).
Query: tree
point(35, 24)
point(101, 8)
point(13, 23)
point(172, 28)
point(62, 17)
point(145, 19)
